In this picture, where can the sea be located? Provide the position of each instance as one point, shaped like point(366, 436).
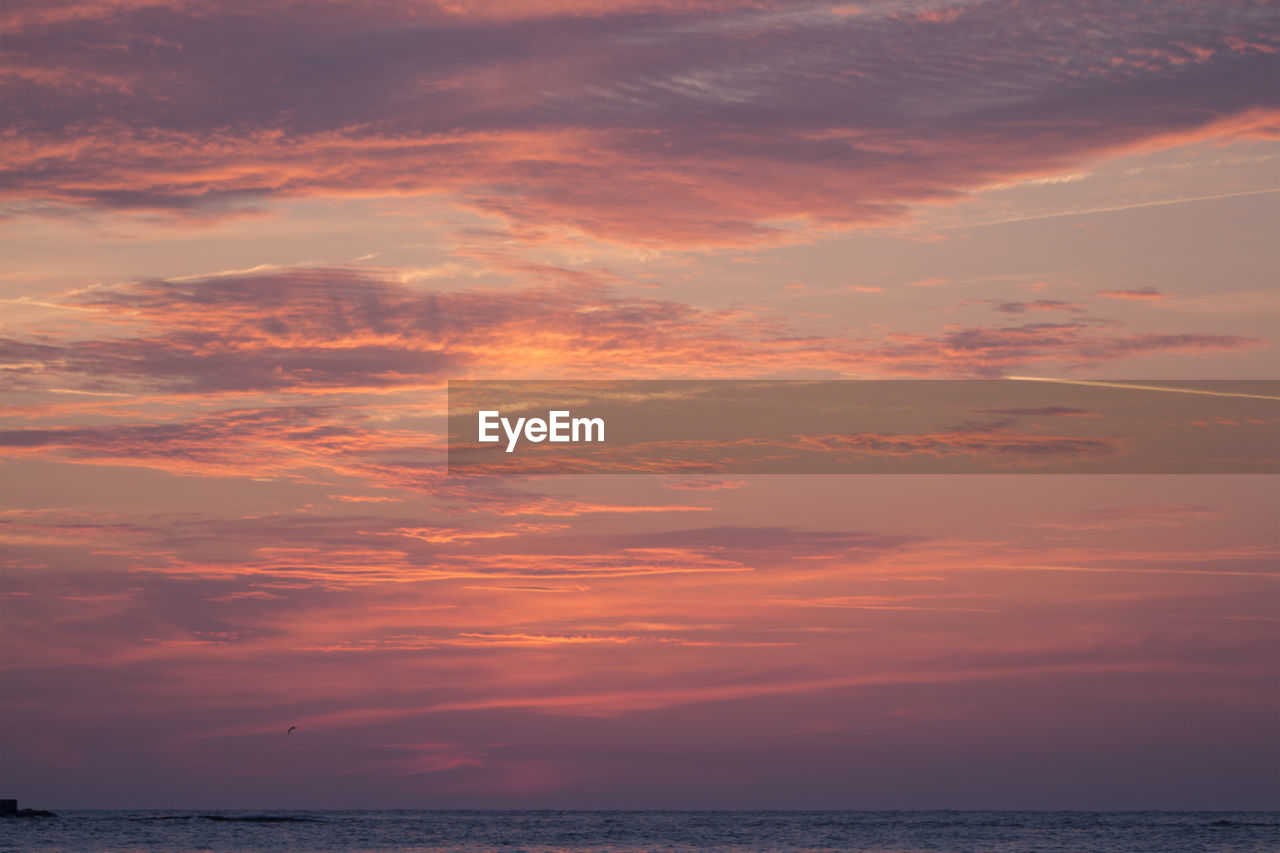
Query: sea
point(643, 831)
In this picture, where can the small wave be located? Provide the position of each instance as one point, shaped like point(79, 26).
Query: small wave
point(249, 818)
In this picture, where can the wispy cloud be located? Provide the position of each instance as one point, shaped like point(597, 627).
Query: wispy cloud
point(1144, 293)
point(647, 122)
point(332, 330)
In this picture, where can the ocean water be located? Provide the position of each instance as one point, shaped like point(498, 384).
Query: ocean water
point(640, 831)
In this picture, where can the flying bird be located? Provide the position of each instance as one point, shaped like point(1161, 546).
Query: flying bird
point(291, 728)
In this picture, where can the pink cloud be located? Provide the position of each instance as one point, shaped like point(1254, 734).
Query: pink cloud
point(1144, 293)
point(558, 116)
point(316, 332)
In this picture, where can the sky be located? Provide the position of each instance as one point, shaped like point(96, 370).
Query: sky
point(245, 246)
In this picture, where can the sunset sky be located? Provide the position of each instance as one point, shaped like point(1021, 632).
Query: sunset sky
point(246, 245)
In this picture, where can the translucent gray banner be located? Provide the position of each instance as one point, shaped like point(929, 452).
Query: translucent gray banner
point(1005, 426)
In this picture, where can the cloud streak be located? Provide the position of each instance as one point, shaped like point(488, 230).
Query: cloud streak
point(326, 331)
point(651, 123)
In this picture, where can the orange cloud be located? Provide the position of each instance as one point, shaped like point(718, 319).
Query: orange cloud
point(640, 123)
point(331, 331)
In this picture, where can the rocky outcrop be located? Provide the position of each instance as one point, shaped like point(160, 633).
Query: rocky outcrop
point(9, 808)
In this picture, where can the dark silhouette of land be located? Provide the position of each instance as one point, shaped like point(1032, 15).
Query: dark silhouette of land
point(9, 808)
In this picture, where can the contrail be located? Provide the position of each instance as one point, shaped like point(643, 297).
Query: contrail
point(1138, 387)
point(1090, 211)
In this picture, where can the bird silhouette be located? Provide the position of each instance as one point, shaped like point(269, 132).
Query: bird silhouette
point(291, 728)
